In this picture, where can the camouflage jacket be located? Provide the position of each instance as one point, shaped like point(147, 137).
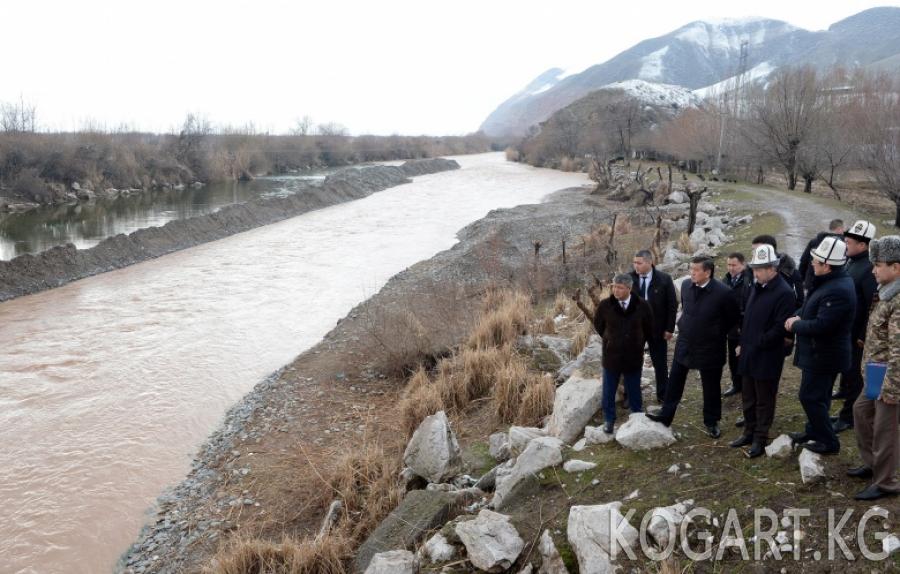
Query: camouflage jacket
point(883, 337)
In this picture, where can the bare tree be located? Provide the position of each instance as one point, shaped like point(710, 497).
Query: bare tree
point(878, 121)
point(302, 127)
point(18, 117)
point(783, 117)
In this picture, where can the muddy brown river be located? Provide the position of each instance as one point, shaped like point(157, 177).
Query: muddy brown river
point(108, 385)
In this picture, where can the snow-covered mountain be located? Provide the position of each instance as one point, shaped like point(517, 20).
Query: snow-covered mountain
point(703, 56)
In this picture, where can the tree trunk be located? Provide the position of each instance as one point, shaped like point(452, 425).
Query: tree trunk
point(792, 180)
point(897, 215)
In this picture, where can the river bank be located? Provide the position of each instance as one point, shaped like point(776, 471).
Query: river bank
point(29, 274)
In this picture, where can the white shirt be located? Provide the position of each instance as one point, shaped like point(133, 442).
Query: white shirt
point(704, 285)
point(649, 279)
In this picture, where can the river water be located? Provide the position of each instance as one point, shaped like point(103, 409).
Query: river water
point(108, 385)
point(86, 224)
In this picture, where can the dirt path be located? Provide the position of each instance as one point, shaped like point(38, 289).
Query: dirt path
point(804, 216)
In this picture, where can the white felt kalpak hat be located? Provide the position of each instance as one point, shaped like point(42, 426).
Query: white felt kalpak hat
point(764, 256)
point(861, 231)
point(832, 251)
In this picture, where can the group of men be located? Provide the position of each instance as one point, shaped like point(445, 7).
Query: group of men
point(838, 313)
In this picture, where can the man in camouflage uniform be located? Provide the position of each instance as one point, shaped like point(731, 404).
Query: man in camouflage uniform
point(878, 421)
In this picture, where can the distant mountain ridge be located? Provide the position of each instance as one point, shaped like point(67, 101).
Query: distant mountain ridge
point(704, 53)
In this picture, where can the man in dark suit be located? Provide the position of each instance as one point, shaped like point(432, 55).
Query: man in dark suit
point(625, 322)
point(656, 287)
point(740, 279)
point(859, 267)
point(761, 349)
point(823, 342)
point(709, 311)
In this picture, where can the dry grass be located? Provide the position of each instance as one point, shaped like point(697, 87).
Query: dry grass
point(546, 326)
point(421, 398)
point(537, 401)
point(507, 317)
point(508, 389)
point(580, 340)
point(562, 304)
point(684, 243)
point(254, 556)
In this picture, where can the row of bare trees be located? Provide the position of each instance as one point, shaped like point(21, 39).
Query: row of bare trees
point(811, 126)
point(40, 166)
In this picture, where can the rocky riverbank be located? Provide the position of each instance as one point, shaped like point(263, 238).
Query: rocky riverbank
point(29, 274)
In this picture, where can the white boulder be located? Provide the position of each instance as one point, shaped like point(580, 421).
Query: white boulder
point(596, 435)
point(640, 433)
point(499, 446)
point(393, 562)
point(492, 543)
point(781, 447)
point(590, 532)
point(576, 401)
point(578, 465)
point(677, 197)
point(665, 521)
point(541, 453)
point(590, 360)
point(519, 437)
point(890, 544)
point(811, 467)
point(551, 561)
point(433, 452)
point(437, 549)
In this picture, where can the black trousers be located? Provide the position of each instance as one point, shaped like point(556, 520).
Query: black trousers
point(852, 384)
point(712, 393)
point(815, 397)
point(659, 351)
point(736, 379)
point(759, 398)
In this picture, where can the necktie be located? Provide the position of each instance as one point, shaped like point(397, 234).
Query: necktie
point(624, 305)
point(644, 286)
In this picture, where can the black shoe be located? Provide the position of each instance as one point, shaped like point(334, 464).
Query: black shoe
point(798, 437)
point(740, 422)
point(713, 431)
point(608, 428)
point(757, 449)
point(860, 472)
point(872, 492)
point(837, 395)
point(741, 441)
point(841, 426)
point(731, 392)
point(658, 418)
point(820, 448)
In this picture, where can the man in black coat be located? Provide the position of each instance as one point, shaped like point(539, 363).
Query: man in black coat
point(835, 229)
point(709, 311)
point(656, 287)
point(761, 349)
point(624, 322)
point(859, 268)
point(740, 279)
point(786, 266)
point(823, 342)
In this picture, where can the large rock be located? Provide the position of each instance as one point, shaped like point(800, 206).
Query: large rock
point(541, 453)
point(576, 402)
point(519, 437)
point(433, 452)
point(492, 543)
point(665, 521)
point(588, 362)
point(438, 549)
point(394, 562)
point(640, 433)
point(811, 467)
point(677, 197)
point(576, 465)
point(498, 445)
point(781, 447)
point(418, 513)
point(559, 346)
point(551, 561)
point(591, 536)
point(596, 435)
point(890, 544)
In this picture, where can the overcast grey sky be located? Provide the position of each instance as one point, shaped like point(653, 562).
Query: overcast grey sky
point(389, 66)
